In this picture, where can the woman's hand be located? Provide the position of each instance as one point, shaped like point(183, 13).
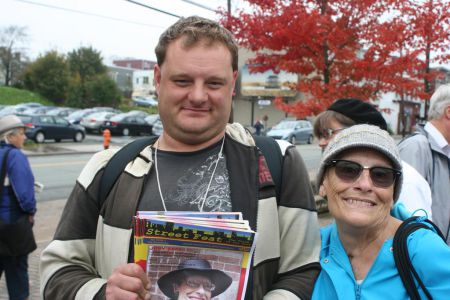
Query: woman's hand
point(128, 282)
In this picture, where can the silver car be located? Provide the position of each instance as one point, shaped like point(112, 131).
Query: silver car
point(293, 131)
point(93, 121)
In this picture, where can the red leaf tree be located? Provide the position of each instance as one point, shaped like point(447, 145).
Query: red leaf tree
point(339, 48)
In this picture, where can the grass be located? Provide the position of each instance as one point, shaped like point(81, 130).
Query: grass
point(13, 96)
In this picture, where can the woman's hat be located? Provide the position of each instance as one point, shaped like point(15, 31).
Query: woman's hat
point(363, 136)
point(359, 111)
point(195, 267)
point(10, 122)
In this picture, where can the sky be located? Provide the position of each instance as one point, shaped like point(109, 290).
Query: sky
point(116, 28)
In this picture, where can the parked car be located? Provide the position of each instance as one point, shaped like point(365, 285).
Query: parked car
point(61, 111)
point(45, 127)
point(39, 110)
point(157, 127)
point(14, 109)
point(138, 113)
point(76, 116)
point(92, 122)
point(125, 124)
point(145, 101)
point(293, 131)
point(151, 119)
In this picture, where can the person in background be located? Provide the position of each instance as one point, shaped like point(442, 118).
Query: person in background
point(343, 113)
point(106, 138)
point(199, 163)
point(360, 175)
point(258, 127)
point(17, 208)
point(428, 151)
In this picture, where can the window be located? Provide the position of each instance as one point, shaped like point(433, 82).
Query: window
point(145, 79)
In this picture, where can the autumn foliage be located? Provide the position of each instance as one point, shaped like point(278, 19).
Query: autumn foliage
point(345, 48)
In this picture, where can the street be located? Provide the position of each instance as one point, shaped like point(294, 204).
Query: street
point(58, 172)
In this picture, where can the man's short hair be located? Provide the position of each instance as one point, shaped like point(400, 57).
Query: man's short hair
point(439, 101)
point(197, 29)
point(324, 119)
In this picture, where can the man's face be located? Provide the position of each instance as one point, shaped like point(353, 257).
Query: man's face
point(195, 288)
point(195, 87)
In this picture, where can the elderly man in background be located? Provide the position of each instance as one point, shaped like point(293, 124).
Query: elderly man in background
point(428, 152)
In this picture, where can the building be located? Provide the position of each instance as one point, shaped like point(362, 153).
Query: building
point(138, 64)
point(123, 77)
point(143, 83)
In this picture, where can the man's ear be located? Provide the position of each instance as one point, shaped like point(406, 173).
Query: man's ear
point(447, 112)
point(157, 77)
point(175, 287)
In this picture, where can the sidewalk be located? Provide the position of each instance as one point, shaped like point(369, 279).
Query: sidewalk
point(46, 220)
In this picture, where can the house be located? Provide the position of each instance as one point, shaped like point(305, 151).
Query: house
point(138, 64)
point(123, 78)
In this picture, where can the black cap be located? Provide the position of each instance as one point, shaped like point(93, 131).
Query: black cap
point(199, 267)
point(359, 111)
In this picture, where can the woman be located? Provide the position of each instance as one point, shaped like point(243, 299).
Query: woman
point(343, 113)
point(17, 207)
point(360, 174)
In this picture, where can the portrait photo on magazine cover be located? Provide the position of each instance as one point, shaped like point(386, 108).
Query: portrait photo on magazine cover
point(191, 273)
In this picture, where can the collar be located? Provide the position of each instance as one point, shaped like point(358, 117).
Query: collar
point(438, 138)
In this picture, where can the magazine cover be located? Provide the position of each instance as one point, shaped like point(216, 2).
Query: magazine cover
point(185, 260)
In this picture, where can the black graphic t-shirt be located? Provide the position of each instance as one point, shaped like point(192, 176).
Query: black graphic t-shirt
point(184, 178)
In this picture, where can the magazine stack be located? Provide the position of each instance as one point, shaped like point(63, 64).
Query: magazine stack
point(196, 255)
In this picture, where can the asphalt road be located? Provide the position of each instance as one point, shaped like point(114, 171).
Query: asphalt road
point(59, 172)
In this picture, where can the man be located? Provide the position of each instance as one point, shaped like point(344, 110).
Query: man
point(196, 279)
point(415, 194)
point(199, 163)
point(428, 152)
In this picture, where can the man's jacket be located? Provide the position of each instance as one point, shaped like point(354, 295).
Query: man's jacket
point(422, 152)
point(91, 241)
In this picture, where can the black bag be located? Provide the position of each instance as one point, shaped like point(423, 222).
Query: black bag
point(15, 238)
point(401, 256)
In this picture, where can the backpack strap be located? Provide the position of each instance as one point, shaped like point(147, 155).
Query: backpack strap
point(401, 256)
point(3, 171)
point(117, 164)
point(274, 159)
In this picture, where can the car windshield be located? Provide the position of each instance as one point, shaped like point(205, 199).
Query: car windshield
point(118, 117)
point(285, 125)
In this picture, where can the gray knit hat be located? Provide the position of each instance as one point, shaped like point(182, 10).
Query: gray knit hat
point(10, 122)
point(363, 136)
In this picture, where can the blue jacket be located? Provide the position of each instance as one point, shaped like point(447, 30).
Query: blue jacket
point(18, 194)
point(429, 254)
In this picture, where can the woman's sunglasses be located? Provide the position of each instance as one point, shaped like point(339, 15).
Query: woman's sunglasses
point(349, 171)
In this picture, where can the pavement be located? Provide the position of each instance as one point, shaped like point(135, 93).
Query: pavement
point(49, 212)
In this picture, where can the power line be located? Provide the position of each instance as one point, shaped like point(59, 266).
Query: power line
point(87, 13)
point(153, 8)
point(199, 5)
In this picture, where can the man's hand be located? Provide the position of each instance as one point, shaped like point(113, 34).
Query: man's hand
point(128, 282)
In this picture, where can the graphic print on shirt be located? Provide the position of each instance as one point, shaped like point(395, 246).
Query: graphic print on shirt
point(192, 185)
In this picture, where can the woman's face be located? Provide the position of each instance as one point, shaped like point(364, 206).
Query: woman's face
point(17, 139)
point(328, 133)
point(194, 288)
point(359, 203)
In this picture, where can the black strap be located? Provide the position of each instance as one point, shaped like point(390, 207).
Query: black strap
point(3, 171)
point(269, 147)
point(274, 159)
point(117, 164)
point(401, 256)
